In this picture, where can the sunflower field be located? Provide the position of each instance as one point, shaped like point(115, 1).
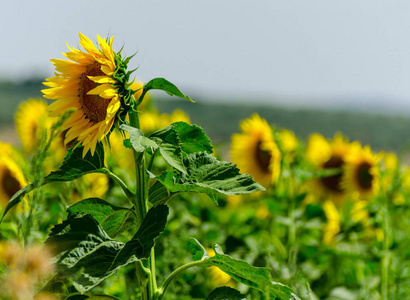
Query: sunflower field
point(104, 197)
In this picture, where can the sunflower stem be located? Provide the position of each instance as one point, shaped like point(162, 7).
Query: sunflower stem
point(149, 287)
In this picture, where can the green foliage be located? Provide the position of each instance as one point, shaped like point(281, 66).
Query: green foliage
point(225, 293)
point(112, 219)
point(164, 85)
point(75, 165)
point(258, 278)
point(86, 255)
point(205, 174)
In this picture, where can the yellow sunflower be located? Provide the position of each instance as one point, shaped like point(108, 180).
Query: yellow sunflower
point(255, 151)
point(325, 155)
point(31, 122)
point(11, 178)
point(332, 227)
point(89, 83)
point(361, 172)
point(288, 140)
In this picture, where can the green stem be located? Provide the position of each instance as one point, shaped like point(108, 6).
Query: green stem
point(128, 193)
point(161, 290)
point(148, 285)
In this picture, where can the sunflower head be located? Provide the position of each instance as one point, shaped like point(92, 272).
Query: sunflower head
point(255, 151)
point(31, 122)
point(327, 155)
point(94, 83)
point(361, 172)
point(11, 178)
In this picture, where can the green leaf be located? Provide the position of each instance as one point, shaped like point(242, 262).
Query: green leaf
point(16, 198)
point(191, 138)
point(158, 194)
point(173, 156)
point(225, 293)
point(166, 86)
point(198, 252)
point(243, 272)
point(75, 166)
point(86, 255)
point(138, 141)
point(208, 175)
point(112, 219)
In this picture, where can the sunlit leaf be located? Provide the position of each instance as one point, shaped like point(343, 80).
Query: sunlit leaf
point(208, 175)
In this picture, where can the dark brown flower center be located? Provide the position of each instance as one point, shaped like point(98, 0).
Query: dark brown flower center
point(363, 176)
point(9, 183)
point(332, 183)
point(94, 107)
point(263, 158)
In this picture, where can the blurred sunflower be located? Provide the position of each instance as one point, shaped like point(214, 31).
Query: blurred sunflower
point(11, 178)
point(255, 151)
point(90, 83)
point(361, 172)
point(325, 155)
point(288, 140)
point(31, 122)
point(332, 227)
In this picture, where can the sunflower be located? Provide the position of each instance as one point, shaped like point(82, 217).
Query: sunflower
point(361, 172)
point(255, 151)
point(11, 178)
point(31, 122)
point(326, 155)
point(92, 84)
point(332, 227)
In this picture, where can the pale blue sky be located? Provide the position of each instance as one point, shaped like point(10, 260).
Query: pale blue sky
point(322, 48)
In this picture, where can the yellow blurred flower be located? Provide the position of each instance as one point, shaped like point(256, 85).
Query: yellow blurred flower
point(325, 155)
point(288, 140)
point(94, 185)
point(218, 277)
point(31, 123)
point(152, 121)
point(361, 172)
point(11, 178)
point(255, 151)
point(332, 227)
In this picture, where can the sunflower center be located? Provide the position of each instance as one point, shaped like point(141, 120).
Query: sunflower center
point(94, 107)
point(263, 158)
point(364, 178)
point(9, 183)
point(332, 183)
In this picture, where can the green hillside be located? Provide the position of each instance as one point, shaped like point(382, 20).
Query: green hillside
point(387, 132)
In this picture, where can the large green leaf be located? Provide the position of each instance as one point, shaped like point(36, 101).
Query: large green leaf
point(208, 175)
point(190, 138)
point(112, 219)
point(75, 165)
point(225, 293)
point(158, 194)
point(86, 255)
point(166, 86)
point(243, 272)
